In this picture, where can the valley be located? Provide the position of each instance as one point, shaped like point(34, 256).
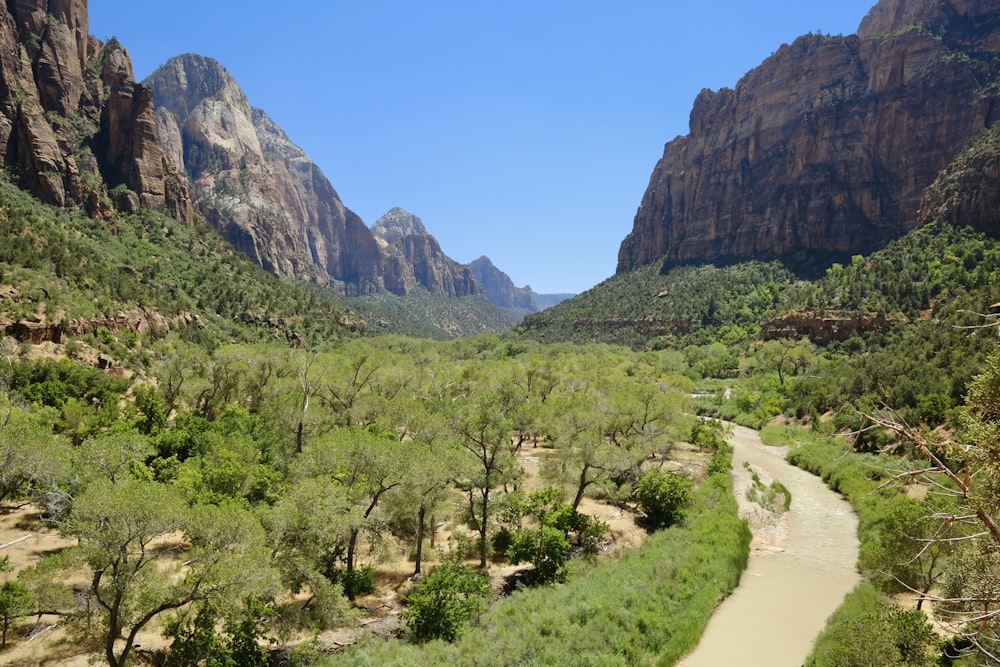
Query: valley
point(241, 426)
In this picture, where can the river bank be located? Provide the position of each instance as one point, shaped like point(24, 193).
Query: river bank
point(802, 564)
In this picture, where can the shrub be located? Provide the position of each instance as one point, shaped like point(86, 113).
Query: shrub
point(451, 596)
point(664, 497)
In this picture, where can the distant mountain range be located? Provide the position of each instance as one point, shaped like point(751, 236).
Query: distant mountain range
point(265, 196)
point(825, 150)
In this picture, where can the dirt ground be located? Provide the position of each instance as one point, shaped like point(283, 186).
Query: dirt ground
point(43, 642)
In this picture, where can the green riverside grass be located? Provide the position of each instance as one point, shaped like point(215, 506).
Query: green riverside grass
point(859, 478)
point(648, 608)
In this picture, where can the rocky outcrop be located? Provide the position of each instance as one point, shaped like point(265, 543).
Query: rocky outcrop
point(138, 320)
point(398, 224)
point(77, 130)
point(500, 289)
point(822, 330)
point(260, 190)
point(968, 191)
point(414, 259)
point(827, 146)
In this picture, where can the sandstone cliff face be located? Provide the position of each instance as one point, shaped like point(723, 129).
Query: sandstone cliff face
point(73, 121)
point(500, 289)
point(828, 145)
point(413, 258)
point(261, 191)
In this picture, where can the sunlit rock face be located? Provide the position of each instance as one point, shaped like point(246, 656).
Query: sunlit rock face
point(414, 259)
point(74, 125)
point(261, 191)
point(828, 145)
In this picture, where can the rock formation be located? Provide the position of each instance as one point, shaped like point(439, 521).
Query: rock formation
point(500, 289)
point(78, 131)
point(261, 191)
point(827, 146)
point(413, 258)
point(968, 191)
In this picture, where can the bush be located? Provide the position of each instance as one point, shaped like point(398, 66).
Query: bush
point(664, 497)
point(868, 630)
point(451, 596)
point(545, 548)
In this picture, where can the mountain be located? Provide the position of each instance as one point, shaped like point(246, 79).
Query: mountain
point(414, 259)
point(500, 288)
point(824, 150)
point(261, 191)
point(78, 131)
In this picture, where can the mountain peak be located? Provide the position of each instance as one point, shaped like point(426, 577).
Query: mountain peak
point(397, 224)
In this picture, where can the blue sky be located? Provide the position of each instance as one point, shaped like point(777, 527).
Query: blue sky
point(521, 130)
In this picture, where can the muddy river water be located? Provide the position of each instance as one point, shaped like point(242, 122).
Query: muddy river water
point(788, 591)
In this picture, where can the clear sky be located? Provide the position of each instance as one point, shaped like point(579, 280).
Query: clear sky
point(524, 130)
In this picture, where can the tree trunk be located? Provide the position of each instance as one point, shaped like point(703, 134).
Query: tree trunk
point(581, 488)
point(483, 529)
point(420, 538)
point(351, 543)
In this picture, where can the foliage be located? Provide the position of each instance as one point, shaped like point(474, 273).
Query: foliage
point(674, 582)
point(548, 544)
point(15, 601)
point(197, 642)
point(650, 308)
point(422, 314)
point(117, 525)
point(868, 630)
point(664, 497)
point(31, 458)
point(445, 602)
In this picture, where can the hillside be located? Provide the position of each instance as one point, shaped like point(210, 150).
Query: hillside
point(825, 149)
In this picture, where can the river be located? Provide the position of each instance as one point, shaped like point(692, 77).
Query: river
point(789, 589)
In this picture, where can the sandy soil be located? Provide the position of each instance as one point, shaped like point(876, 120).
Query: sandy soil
point(769, 528)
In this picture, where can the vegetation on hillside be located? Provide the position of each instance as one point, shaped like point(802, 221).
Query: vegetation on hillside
point(650, 309)
point(63, 267)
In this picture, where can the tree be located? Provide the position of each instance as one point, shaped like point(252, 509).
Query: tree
point(910, 548)
point(117, 525)
point(967, 471)
point(15, 601)
point(664, 497)
point(366, 463)
point(482, 419)
point(198, 643)
point(114, 453)
point(443, 603)
point(433, 460)
point(30, 456)
point(307, 529)
point(786, 357)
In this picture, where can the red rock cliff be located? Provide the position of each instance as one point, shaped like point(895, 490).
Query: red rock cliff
point(827, 145)
point(74, 124)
